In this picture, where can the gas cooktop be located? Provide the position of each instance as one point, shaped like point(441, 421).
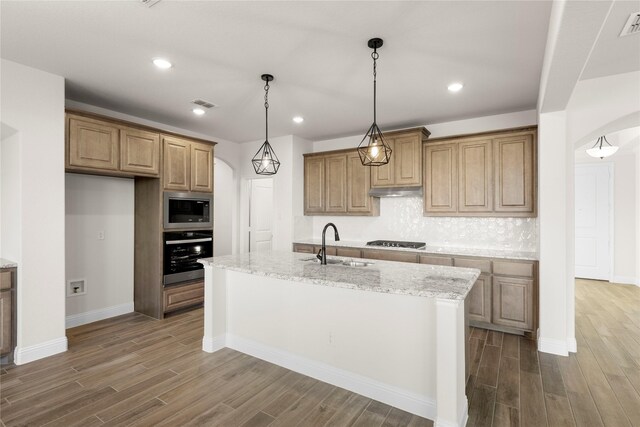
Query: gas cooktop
point(397, 244)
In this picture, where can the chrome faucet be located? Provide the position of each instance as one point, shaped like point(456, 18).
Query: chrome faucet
point(322, 255)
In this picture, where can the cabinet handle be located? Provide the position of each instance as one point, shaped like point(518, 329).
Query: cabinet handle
point(179, 242)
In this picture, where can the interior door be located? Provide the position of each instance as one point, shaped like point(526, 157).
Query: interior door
point(260, 217)
point(593, 210)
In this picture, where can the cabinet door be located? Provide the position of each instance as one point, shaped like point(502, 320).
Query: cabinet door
point(407, 157)
point(5, 322)
point(384, 176)
point(201, 167)
point(314, 185)
point(177, 163)
point(513, 302)
point(390, 255)
point(93, 144)
point(358, 185)
point(441, 179)
point(514, 169)
point(349, 252)
point(139, 152)
point(183, 296)
point(336, 183)
point(475, 176)
point(480, 299)
point(436, 260)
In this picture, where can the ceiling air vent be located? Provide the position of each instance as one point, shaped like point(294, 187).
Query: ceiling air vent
point(149, 3)
point(203, 103)
point(632, 26)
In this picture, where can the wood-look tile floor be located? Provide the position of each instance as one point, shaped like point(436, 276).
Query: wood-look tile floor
point(133, 370)
point(514, 385)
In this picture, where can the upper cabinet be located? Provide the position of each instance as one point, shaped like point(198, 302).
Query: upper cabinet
point(106, 146)
point(188, 165)
point(405, 165)
point(336, 183)
point(490, 175)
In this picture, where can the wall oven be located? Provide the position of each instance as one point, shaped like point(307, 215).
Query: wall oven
point(182, 250)
point(188, 210)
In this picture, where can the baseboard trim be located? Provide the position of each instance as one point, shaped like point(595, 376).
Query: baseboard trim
point(94, 315)
point(625, 280)
point(211, 345)
point(32, 353)
point(391, 395)
point(553, 346)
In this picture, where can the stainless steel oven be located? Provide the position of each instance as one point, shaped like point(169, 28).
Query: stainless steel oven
point(188, 210)
point(182, 250)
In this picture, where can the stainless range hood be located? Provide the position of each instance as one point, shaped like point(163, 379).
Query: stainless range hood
point(396, 192)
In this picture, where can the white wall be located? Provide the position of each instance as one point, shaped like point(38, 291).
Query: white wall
point(403, 219)
point(99, 204)
point(624, 222)
point(10, 194)
point(33, 104)
point(224, 209)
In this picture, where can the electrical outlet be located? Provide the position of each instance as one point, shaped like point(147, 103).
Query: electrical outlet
point(100, 235)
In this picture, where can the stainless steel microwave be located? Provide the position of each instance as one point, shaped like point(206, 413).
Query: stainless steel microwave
point(188, 210)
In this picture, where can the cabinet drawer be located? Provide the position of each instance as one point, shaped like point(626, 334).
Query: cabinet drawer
point(390, 256)
point(331, 250)
point(510, 268)
point(436, 260)
point(5, 280)
point(484, 265)
point(183, 296)
point(349, 252)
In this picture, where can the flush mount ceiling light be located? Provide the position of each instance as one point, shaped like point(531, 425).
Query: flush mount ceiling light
point(265, 162)
point(162, 63)
point(455, 87)
point(373, 149)
point(198, 111)
point(598, 150)
point(298, 119)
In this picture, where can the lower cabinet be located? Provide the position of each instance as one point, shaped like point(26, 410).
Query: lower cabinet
point(7, 314)
point(513, 302)
point(177, 297)
point(390, 255)
point(480, 299)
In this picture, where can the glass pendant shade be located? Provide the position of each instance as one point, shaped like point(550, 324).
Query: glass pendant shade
point(600, 150)
point(373, 149)
point(265, 162)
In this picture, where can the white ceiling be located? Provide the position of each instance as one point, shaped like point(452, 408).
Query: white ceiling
point(316, 50)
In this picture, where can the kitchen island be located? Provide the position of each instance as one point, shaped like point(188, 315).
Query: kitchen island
point(390, 331)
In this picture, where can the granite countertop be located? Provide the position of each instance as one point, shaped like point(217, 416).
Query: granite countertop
point(438, 250)
point(421, 280)
point(5, 263)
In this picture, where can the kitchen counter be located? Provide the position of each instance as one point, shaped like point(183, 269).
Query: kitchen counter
point(381, 276)
point(5, 263)
point(438, 250)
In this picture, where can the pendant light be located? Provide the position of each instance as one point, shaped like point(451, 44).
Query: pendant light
point(265, 162)
point(598, 150)
point(373, 149)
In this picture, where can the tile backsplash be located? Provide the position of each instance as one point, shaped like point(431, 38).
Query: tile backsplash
point(402, 219)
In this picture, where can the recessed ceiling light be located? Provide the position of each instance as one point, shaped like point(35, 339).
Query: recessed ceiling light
point(298, 119)
point(162, 63)
point(455, 87)
point(198, 111)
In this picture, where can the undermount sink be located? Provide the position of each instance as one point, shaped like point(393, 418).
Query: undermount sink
point(348, 263)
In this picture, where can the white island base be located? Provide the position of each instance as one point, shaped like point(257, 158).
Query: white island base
point(406, 351)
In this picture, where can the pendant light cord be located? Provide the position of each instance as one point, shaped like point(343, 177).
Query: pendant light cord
point(375, 56)
point(266, 111)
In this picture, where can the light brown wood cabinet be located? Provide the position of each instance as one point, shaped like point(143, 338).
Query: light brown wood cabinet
point(488, 175)
point(480, 299)
point(336, 183)
point(139, 151)
point(314, 249)
point(405, 165)
point(188, 165)
point(92, 144)
point(177, 297)
point(513, 302)
point(109, 148)
point(7, 313)
point(384, 255)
